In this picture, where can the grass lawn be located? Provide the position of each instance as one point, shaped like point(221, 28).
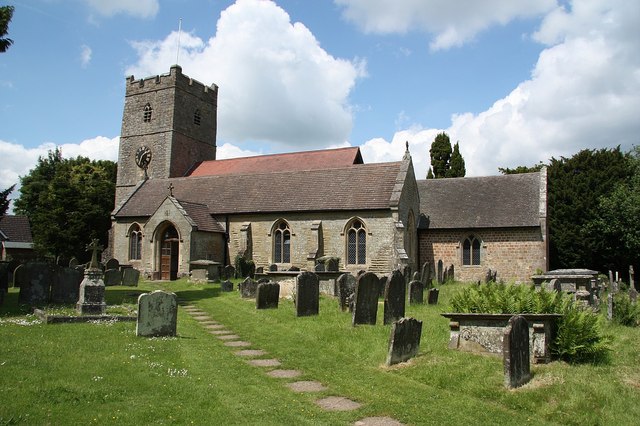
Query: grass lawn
point(101, 373)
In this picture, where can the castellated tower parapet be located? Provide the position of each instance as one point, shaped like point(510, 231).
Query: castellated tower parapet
point(172, 117)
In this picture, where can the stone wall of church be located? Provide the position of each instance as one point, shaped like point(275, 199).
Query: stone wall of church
point(515, 253)
point(305, 238)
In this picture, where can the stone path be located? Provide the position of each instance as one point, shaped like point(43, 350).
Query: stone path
point(330, 403)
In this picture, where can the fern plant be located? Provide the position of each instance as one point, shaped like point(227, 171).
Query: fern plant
point(624, 311)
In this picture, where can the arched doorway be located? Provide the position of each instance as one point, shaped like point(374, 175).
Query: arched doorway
point(169, 246)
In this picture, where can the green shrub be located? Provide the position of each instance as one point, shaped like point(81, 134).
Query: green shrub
point(580, 337)
point(624, 311)
point(244, 267)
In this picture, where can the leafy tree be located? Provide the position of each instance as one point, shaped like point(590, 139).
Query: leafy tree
point(440, 155)
point(574, 188)
point(456, 164)
point(68, 202)
point(521, 169)
point(4, 200)
point(6, 13)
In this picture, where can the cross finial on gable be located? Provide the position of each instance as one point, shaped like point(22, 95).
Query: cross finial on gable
point(170, 188)
point(407, 145)
point(94, 246)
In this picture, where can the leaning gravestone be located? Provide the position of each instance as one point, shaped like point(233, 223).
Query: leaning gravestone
point(395, 296)
point(130, 277)
point(157, 314)
point(226, 286)
point(248, 288)
point(433, 296)
point(365, 307)
point(228, 272)
point(346, 288)
point(36, 283)
point(267, 295)
point(65, 287)
point(307, 294)
point(112, 277)
point(404, 341)
point(515, 350)
point(425, 277)
point(416, 292)
point(112, 264)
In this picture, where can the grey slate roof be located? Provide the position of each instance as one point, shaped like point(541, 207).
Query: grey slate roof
point(357, 187)
point(480, 202)
point(200, 215)
point(15, 229)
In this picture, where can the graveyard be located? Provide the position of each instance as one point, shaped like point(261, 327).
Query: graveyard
point(222, 365)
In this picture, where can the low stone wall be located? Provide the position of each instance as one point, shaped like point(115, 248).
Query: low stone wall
point(484, 333)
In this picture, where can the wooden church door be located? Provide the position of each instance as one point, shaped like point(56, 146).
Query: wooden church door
point(169, 254)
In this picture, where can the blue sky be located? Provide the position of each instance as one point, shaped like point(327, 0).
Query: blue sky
point(514, 82)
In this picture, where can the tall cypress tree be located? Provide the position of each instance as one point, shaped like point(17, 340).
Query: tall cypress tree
point(4, 200)
point(456, 165)
point(440, 155)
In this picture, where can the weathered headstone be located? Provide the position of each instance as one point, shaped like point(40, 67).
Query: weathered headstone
point(73, 262)
point(416, 292)
point(228, 272)
point(404, 341)
point(346, 284)
point(112, 277)
point(307, 294)
point(406, 273)
point(157, 314)
point(515, 349)
point(130, 277)
point(633, 295)
point(440, 271)
point(248, 288)
point(4, 279)
point(260, 270)
point(112, 264)
point(91, 294)
point(365, 306)
point(35, 284)
point(319, 267)
point(273, 267)
point(451, 275)
point(632, 277)
point(227, 286)
point(267, 295)
point(395, 296)
point(610, 306)
point(382, 282)
point(19, 276)
point(432, 297)
point(332, 264)
point(425, 276)
point(65, 287)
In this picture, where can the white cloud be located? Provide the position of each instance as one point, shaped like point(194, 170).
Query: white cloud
point(18, 160)
point(452, 23)
point(276, 83)
point(85, 55)
point(228, 150)
point(584, 93)
point(136, 8)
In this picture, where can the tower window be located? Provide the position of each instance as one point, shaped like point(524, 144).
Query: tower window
point(146, 117)
point(471, 251)
point(197, 117)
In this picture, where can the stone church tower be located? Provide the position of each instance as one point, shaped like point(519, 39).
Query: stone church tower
point(168, 125)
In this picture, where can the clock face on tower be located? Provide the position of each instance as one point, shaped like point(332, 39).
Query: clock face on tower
point(143, 157)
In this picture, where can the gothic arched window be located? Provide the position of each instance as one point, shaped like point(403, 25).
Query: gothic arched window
point(135, 243)
point(356, 243)
point(282, 243)
point(471, 251)
point(146, 116)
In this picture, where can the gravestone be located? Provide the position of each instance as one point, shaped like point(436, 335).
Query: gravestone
point(91, 294)
point(395, 296)
point(130, 277)
point(18, 276)
point(416, 292)
point(633, 295)
point(515, 350)
point(332, 264)
point(610, 306)
point(65, 287)
point(157, 314)
point(73, 262)
point(199, 275)
point(260, 270)
point(4, 279)
point(416, 276)
point(228, 272)
point(440, 271)
point(273, 267)
point(425, 277)
point(382, 281)
point(365, 305)
point(307, 294)
point(267, 295)
point(112, 277)
point(227, 286)
point(294, 269)
point(35, 283)
point(319, 267)
point(432, 297)
point(406, 273)
point(112, 264)
point(632, 277)
point(404, 341)
point(248, 288)
point(451, 275)
point(346, 288)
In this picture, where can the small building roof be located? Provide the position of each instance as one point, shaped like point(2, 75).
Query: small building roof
point(15, 229)
point(356, 187)
point(481, 202)
point(306, 160)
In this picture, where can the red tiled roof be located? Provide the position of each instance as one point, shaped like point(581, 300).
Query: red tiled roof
point(16, 229)
point(294, 161)
point(357, 187)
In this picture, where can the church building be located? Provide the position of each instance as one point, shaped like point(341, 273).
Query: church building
point(176, 204)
